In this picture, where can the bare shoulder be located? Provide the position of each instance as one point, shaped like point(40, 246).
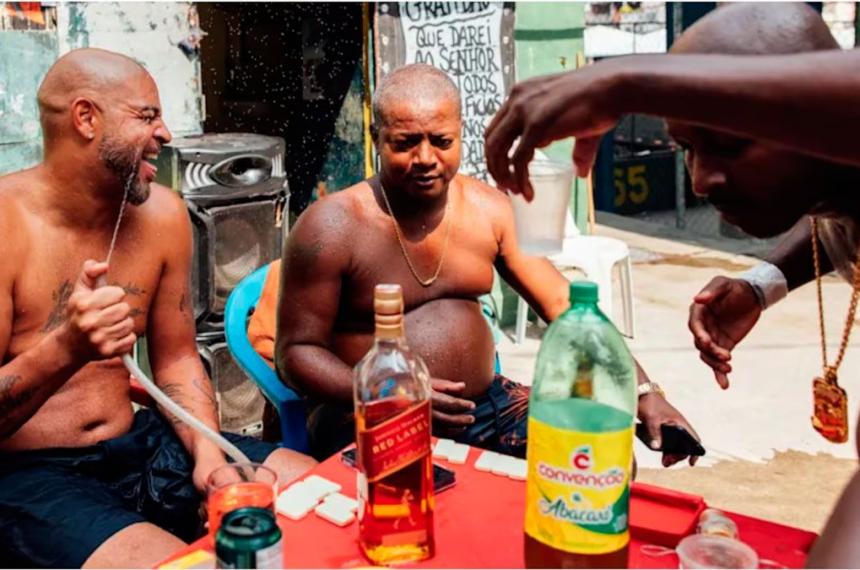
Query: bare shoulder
point(324, 233)
point(14, 189)
point(479, 191)
point(331, 218)
point(492, 202)
point(164, 208)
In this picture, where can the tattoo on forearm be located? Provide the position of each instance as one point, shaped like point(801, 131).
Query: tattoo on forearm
point(183, 302)
point(136, 312)
point(9, 399)
point(179, 393)
point(175, 391)
point(206, 390)
point(60, 298)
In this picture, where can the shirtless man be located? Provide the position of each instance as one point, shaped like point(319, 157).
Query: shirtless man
point(345, 244)
point(84, 481)
point(764, 104)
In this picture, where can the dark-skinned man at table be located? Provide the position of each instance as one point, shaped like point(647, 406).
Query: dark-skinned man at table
point(440, 235)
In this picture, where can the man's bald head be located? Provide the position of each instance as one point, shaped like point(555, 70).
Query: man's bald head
point(757, 29)
point(90, 73)
point(416, 82)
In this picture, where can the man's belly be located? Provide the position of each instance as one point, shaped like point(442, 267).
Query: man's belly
point(91, 407)
point(450, 335)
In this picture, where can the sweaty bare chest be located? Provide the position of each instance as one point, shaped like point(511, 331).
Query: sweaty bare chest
point(466, 271)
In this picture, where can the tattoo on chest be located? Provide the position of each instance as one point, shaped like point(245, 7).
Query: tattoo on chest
point(132, 289)
point(59, 299)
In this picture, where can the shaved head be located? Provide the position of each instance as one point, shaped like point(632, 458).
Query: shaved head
point(756, 185)
point(757, 29)
point(417, 82)
point(102, 109)
point(91, 73)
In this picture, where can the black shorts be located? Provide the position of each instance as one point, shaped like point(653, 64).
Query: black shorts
point(58, 505)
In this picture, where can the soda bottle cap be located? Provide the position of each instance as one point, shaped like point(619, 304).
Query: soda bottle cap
point(583, 292)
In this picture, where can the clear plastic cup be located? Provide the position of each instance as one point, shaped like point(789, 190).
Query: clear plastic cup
point(540, 223)
point(715, 523)
point(704, 551)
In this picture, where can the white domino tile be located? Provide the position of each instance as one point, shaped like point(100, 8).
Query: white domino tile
point(486, 461)
point(295, 505)
point(319, 487)
point(342, 501)
point(334, 513)
point(443, 447)
point(458, 453)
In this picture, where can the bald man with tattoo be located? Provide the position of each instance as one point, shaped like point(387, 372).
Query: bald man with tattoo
point(437, 233)
point(84, 480)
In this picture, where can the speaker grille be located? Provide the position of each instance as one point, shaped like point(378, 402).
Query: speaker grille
point(240, 402)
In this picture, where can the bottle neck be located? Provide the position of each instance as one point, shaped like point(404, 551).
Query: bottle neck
point(580, 305)
point(389, 329)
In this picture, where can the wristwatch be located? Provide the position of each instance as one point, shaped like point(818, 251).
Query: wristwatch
point(649, 388)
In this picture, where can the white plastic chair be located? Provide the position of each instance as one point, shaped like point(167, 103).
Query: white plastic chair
point(596, 256)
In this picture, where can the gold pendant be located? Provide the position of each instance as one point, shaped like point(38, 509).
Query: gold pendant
point(830, 401)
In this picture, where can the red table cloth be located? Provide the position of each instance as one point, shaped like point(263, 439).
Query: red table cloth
point(479, 524)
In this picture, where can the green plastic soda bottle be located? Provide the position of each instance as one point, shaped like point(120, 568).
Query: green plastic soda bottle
point(580, 441)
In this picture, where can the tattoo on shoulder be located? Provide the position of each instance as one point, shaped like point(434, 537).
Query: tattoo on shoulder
point(59, 298)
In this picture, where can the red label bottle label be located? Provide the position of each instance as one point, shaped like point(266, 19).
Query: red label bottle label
point(395, 443)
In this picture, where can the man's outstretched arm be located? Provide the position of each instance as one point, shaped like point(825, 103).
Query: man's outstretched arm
point(806, 102)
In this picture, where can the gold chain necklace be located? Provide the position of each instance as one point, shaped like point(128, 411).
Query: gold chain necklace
point(401, 241)
point(830, 400)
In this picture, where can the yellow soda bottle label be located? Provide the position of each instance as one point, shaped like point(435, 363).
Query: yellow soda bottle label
point(578, 488)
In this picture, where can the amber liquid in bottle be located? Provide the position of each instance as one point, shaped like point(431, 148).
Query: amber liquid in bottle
point(392, 419)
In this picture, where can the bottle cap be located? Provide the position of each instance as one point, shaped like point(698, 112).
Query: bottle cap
point(388, 309)
point(387, 299)
point(583, 292)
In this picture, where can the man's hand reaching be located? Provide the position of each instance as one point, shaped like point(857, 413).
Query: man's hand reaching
point(721, 315)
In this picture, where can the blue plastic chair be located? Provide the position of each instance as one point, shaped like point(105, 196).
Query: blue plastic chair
point(289, 405)
point(488, 308)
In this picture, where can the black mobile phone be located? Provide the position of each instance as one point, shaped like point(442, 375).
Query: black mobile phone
point(442, 478)
point(676, 440)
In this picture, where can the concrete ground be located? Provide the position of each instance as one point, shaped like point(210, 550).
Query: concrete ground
point(764, 458)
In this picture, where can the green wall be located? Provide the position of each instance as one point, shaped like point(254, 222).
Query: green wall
point(547, 37)
point(25, 57)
